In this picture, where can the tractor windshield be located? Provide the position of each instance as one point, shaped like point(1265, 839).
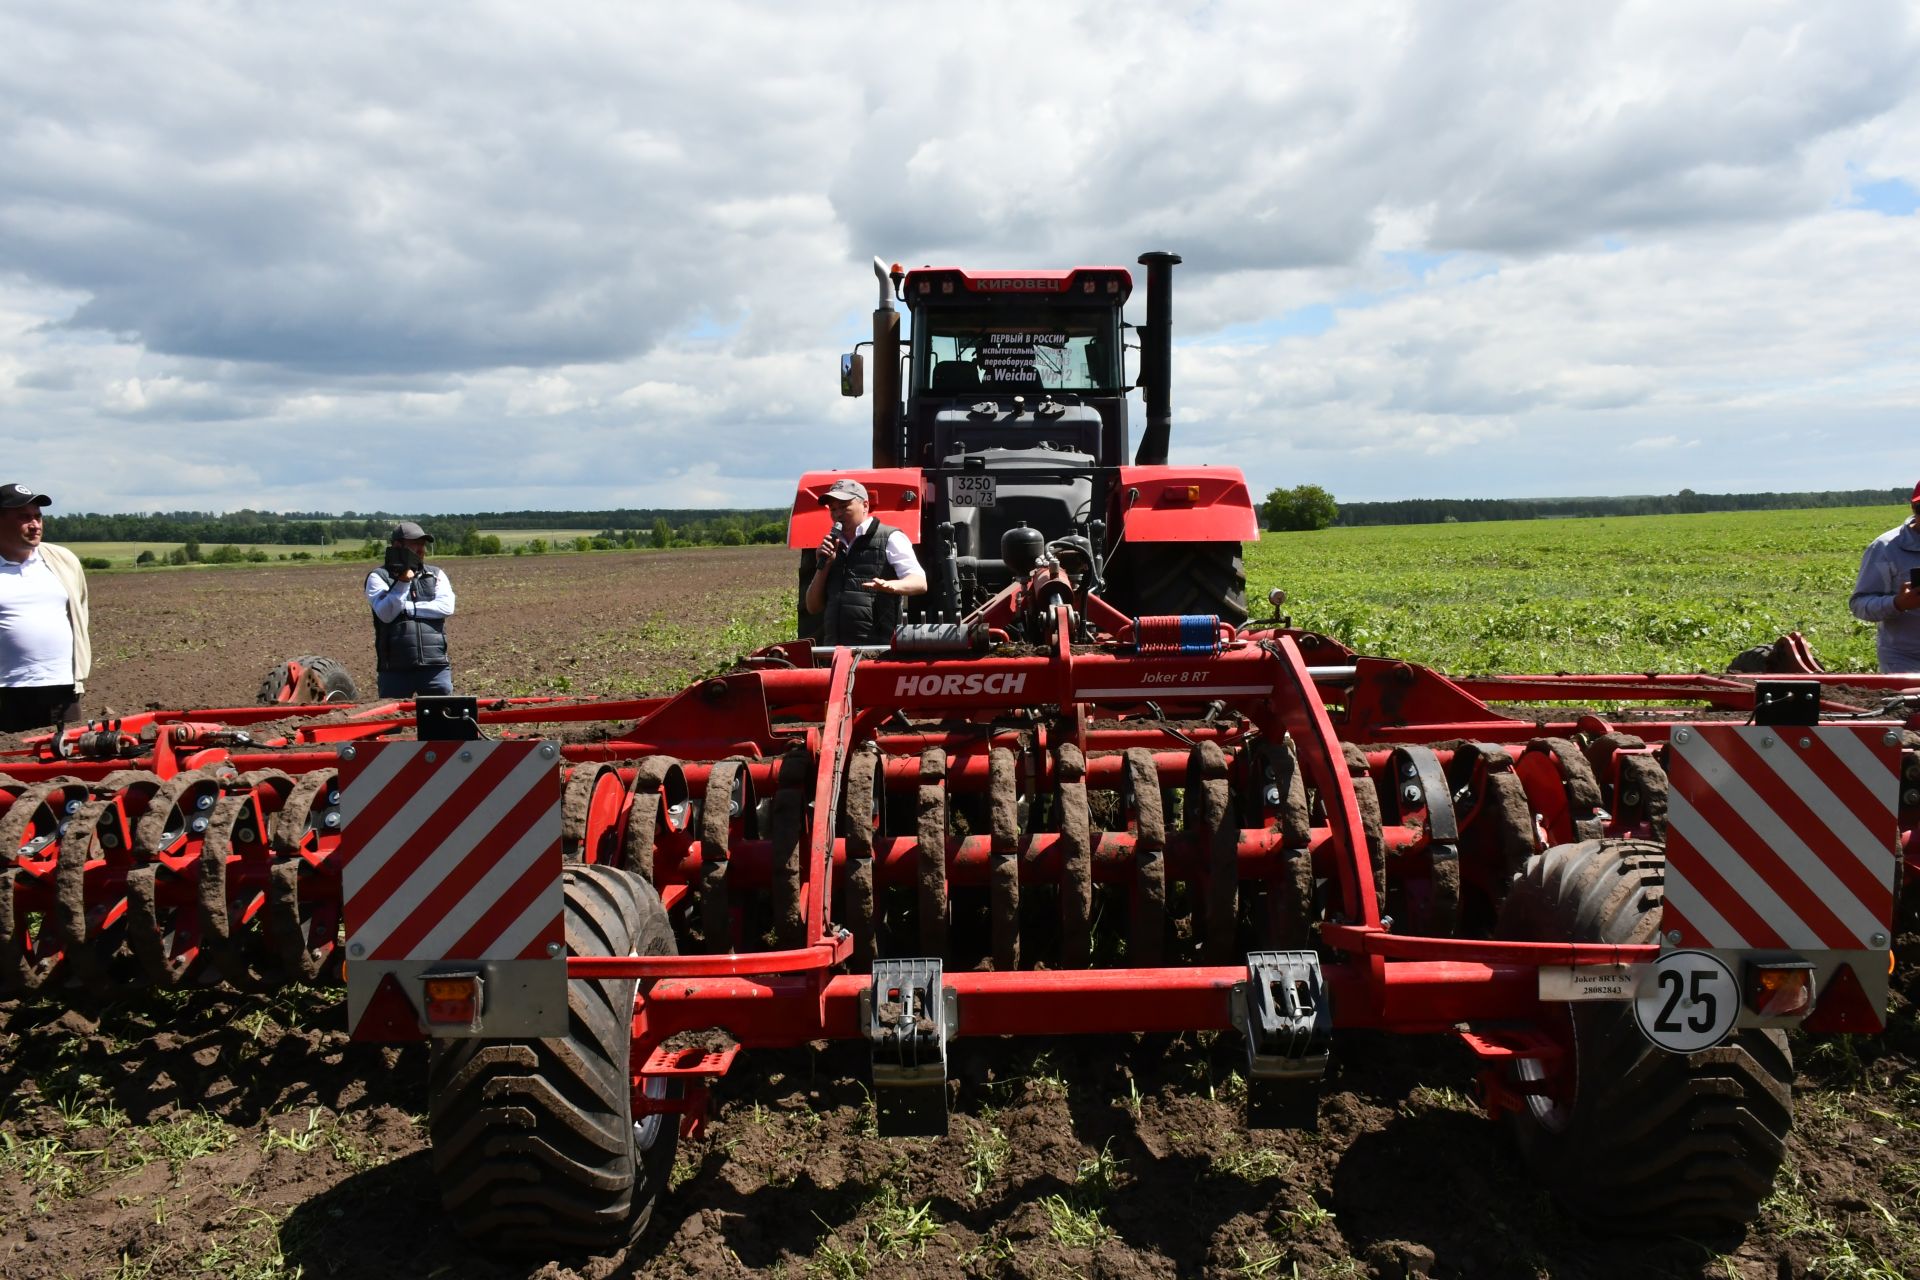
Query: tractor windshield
point(1016, 349)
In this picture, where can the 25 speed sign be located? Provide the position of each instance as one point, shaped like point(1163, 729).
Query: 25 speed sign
point(1687, 1002)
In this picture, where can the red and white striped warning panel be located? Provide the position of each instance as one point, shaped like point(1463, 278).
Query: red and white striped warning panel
point(1781, 837)
point(452, 851)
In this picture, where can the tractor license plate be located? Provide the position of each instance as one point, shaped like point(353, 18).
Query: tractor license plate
point(972, 491)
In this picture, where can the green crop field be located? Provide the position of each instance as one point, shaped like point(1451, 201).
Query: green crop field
point(555, 538)
point(1645, 593)
point(123, 554)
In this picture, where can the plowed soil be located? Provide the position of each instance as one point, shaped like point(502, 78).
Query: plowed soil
point(211, 1134)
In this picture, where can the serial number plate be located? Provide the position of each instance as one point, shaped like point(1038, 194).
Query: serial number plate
point(972, 491)
point(1588, 982)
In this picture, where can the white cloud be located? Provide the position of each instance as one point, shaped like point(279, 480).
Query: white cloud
point(605, 254)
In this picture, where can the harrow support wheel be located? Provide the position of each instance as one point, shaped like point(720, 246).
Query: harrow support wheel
point(308, 679)
point(590, 812)
point(1627, 1136)
point(659, 793)
point(863, 807)
point(302, 937)
point(1208, 811)
point(1366, 796)
point(1003, 791)
point(534, 1141)
point(1145, 816)
point(32, 832)
point(786, 827)
point(1072, 818)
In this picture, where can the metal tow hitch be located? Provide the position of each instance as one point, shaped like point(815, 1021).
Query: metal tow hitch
point(908, 1016)
point(1283, 1010)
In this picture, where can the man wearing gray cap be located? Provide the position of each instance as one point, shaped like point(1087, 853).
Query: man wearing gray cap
point(411, 601)
point(44, 651)
point(861, 571)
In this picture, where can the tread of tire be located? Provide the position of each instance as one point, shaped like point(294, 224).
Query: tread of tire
point(1680, 1144)
point(1207, 577)
point(533, 1139)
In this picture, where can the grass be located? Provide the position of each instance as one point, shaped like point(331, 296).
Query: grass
point(189, 1137)
point(511, 538)
point(987, 1152)
point(1643, 593)
point(1074, 1225)
point(1305, 1219)
point(899, 1228)
point(1250, 1162)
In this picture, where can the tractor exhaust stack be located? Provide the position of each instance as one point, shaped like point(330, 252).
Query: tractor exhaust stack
point(886, 373)
point(1156, 358)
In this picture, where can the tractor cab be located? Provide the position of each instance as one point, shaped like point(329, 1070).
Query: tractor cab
point(1022, 361)
point(1015, 400)
point(1003, 404)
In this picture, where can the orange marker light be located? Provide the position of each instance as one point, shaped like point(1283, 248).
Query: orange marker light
point(1779, 990)
point(454, 1000)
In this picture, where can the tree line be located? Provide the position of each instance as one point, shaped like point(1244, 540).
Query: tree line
point(1308, 506)
point(1685, 502)
point(345, 534)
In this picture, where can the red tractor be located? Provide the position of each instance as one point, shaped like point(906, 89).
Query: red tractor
point(1012, 446)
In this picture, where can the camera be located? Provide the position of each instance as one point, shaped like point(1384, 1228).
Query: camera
point(1913, 576)
point(400, 559)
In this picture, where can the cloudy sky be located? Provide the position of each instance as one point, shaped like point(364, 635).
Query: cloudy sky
point(428, 257)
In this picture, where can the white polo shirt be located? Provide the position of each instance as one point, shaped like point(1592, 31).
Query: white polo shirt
point(36, 636)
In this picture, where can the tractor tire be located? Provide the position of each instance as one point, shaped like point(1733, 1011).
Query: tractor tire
point(807, 626)
point(1628, 1137)
point(318, 679)
point(1182, 577)
point(534, 1142)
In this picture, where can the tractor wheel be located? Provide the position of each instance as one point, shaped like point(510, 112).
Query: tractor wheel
point(307, 680)
point(807, 626)
point(1628, 1137)
point(1182, 577)
point(534, 1141)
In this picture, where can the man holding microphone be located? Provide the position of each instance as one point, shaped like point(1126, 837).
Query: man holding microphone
point(862, 569)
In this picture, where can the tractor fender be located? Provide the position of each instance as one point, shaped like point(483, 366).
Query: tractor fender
point(1184, 504)
point(894, 494)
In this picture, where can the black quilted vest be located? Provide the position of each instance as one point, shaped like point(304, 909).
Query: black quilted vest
point(406, 643)
point(855, 615)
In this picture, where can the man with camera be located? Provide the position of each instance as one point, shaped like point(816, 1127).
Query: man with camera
point(1888, 592)
point(862, 569)
point(411, 601)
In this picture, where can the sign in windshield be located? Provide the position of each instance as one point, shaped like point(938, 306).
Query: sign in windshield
point(1068, 350)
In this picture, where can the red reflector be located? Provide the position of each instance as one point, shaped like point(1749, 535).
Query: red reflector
point(1845, 1006)
point(389, 1015)
point(1779, 990)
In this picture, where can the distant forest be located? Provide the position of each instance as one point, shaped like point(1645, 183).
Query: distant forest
point(1685, 502)
point(352, 528)
point(737, 527)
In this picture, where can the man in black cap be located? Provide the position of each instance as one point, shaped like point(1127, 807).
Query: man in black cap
point(44, 651)
point(862, 569)
point(411, 601)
